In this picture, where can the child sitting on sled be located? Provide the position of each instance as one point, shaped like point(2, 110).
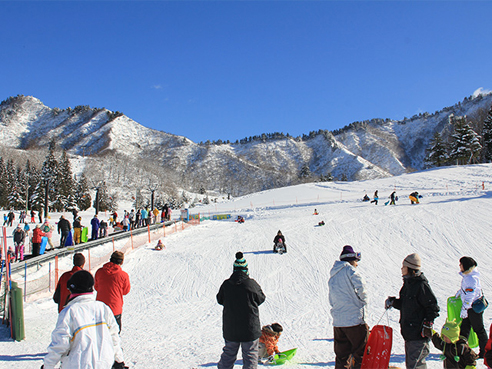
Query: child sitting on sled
point(159, 245)
point(456, 352)
point(270, 335)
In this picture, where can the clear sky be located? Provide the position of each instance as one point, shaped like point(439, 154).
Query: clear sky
point(212, 70)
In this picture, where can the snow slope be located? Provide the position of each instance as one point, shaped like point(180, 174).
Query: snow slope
point(172, 320)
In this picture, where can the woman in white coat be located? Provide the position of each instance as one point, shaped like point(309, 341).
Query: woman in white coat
point(470, 291)
point(86, 329)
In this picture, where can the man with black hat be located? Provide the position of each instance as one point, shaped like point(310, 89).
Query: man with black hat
point(241, 296)
point(348, 300)
point(61, 293)
point(64, 229)
point(86, 333)
point(418, 309)
point(112, 283)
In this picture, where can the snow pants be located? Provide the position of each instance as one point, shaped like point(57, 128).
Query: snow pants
point(350, 341)
point(229, 354)
point(415, 354)
point(19, 251)
point(475, 321)
point(76, 235)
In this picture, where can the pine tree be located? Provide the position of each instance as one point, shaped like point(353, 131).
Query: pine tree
point(104, 200)
point(49, 174)
point(437, 154)
point(3, 185)
point(66, 184)
point(487, 138)
point(465, 145)
point(305, 172)
point(82, 194)
point(17, 195)
point(10, 184)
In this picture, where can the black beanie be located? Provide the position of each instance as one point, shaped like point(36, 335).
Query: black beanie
point(81, 282)
point(467, 263)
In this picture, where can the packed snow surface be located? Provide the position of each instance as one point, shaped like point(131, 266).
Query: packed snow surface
point(171, 318)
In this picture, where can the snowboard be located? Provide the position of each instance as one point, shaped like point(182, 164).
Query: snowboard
point(84, 235)
point(69, 240)
point(454, 309)
point(42, 247)
point(378, 348)
point(282, 357)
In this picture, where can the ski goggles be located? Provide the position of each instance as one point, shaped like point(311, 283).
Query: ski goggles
point(355, 255)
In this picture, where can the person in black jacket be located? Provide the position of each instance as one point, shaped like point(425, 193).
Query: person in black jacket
point(64, 228)
point(241, 296)
point(279, 241)
point(418, 309)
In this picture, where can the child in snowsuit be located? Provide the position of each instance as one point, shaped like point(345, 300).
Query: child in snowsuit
point(270, 335)
point(456, 352)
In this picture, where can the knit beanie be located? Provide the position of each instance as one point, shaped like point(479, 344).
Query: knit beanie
point(348, 254)
point(451, 330)
point(467, 263)
point(412, 261)
point(117, 257)
point(81, 282)
point(240, 264)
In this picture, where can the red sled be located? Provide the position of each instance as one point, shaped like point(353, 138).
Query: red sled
point(378, 348)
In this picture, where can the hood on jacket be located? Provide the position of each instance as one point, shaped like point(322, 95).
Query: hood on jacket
point(338, 266)
point(238, 277)
point(111, 268)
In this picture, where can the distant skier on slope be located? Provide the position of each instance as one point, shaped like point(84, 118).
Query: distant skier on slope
point(393, 198)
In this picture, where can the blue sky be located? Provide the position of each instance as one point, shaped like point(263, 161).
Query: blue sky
point(212, 70)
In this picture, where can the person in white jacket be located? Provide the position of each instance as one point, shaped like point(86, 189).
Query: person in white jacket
point(470, 291)
point(86, 333)
point(348, 300)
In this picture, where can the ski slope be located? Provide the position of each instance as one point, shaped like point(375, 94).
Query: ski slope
point(171, 318)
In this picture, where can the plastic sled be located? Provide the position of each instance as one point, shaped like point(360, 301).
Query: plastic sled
point(282, 357)
point(454, 309)
point(84, 235)
point(69, 240)
point(42, 247)
point(378, 348)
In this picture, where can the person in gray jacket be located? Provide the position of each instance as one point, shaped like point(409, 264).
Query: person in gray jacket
point(348, 300)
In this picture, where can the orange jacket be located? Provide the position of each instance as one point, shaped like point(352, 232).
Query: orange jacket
point(62, 292)
point(111, 284)
point(270, 339)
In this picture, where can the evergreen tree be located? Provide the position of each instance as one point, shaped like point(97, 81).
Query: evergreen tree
point(437, 155)
point(104, 200)
point(10, 183)
point(17, 195)
point(49, 174)
point(82, 195)
point(465, 145)
point(3, 185)
point(305, 172)
point(487, 138)
point(139, 200)
point(66, 184)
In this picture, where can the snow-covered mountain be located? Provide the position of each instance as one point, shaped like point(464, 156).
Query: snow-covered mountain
point(362, 150)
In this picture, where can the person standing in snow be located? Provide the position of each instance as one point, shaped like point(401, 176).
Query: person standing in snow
point(86, 333)
point(112, 283)
point(418, 309)
point(61, 292)
point(348, 300)
point(241, 297)
point(37, 235)
point(19, 236)
point(279, 241)
point(470, 291)
point(393, 198)
point(376, 198)
point(95, 227)
point(64, 229)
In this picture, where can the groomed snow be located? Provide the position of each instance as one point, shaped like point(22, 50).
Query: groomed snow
point(171, 318)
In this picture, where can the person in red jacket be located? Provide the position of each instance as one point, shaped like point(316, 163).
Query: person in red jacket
point(270, 334)
point(112, 283)
point(62, 292)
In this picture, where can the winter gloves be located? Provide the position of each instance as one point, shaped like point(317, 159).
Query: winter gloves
point(427, 329)
point(389, 302)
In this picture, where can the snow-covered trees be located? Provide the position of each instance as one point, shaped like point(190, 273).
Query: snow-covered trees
point(465, 145)
point(437, 154)
point(487, 138)
point(82, 194)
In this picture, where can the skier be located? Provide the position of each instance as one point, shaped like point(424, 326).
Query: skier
point(471, 291)
point(76, 341)
point(278, 242)
point(270, 334)
point(348, 300)
point(241, 297)
point(418, 309)
point(457, 353)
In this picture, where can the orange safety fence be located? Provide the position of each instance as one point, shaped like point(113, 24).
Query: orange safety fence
point(47, 282)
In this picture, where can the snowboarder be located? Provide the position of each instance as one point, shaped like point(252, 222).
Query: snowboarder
point(279, 242)
point(471, 291)
point(241, 297)
point(457, 353)
point(270, 334)
point(376, 197)
point(348, 300)
point(414, 198)
point(418, 309)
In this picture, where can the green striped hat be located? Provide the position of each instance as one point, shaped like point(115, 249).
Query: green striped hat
point(240, 263)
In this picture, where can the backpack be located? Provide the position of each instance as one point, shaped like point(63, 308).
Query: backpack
point(46, 229)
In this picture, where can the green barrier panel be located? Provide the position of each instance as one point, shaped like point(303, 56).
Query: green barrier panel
point(17, 312)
